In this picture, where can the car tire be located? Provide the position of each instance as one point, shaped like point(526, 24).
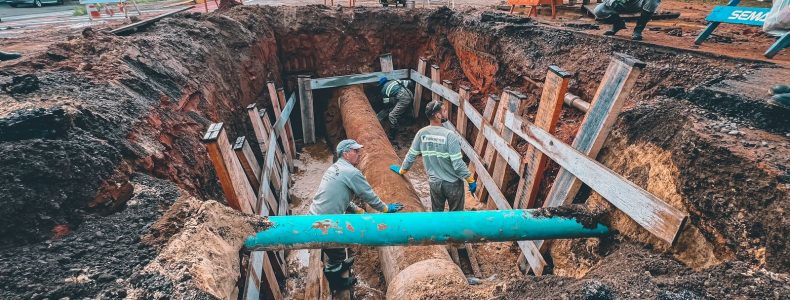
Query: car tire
point(37, 3)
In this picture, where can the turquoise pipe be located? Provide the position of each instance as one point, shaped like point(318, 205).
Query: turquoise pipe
point(418, 228)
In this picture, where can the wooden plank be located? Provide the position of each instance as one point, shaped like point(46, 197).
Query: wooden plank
point(231, 176)
point(480, 140)
point(532, 253)
point(314, 270)
point(265, 194)
point(288, 129)
point(549, 108)
point(502, 147)
point(306, 105)
point(276, 107)
point(248, 161)
point(446, 104)
point(386, 62)
point(436, 77)
point(435, 87)
point(254, 272)
point(278, 156)
point(657, 217)
point(516, 104)
point(151, 20)
point(615, 87)
point(257, 127)
point(470, 253)
point(269, 280)
point(284, 196)
point(338, 81)
point(490, 152)
point(461, 120)
point(279, 268)
point(421, 64)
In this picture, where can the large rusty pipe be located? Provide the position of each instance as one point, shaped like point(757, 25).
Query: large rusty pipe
point(406, 269)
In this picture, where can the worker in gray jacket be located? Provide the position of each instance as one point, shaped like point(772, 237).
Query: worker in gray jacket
point(397, 98)
point(609, 11)
point(441, 154)
point(341, 181)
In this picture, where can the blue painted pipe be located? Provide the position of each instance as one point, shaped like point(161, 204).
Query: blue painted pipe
point(418, 228)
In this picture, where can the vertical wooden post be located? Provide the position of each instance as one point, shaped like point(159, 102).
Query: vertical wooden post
point(248, 162)
point(306, 105)
point(259, 119)
point(289, 154)
point(421, 64)
point(461, 119)
point(288, 129)
point(278, 156)
point(488, 158)
point(615, 87)
point(548, 114)
point(436, 77)
point(480, 140)
point(231, 177)
point(446, 105)
point(263, 277)
point(386, 62)
point(516, 104)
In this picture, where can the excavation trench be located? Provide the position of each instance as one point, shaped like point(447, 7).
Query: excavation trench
point(110, 136)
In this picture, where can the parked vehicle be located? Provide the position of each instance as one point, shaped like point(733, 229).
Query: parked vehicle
point(36, 3)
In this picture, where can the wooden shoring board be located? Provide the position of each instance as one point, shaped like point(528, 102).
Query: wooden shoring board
point(422, 63)
point(472, 258)
point(278, 266)
point(265, 193)
point(232, 178)
point(516, 105)
point(278, 156)
point(448, 108)
point(315, 276)
point(435, 87)
point(386, 63)
point(436, 77)
point(306, 107)
point(487, 117)
point(532, 253)
point(248, 161)
point(288, 128)
point(490, 152)
point(345, 80)
point(549, 108)
point(653, 214)
point(615, 87)
point(461, 120)
point(277, 108)
point(261, 275)
point(284, 196)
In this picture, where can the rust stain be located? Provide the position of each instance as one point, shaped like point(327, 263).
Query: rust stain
point(349, 227)
point(381, 227)
point(323, 226)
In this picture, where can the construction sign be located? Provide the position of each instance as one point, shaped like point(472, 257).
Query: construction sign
point(109, 7)
point(738, 15)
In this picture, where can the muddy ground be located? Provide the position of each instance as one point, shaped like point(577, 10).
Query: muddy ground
point(87, 122)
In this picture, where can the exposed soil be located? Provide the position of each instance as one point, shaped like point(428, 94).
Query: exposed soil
point(100, 136)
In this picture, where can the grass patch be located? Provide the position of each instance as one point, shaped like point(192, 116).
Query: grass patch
point(80, 11)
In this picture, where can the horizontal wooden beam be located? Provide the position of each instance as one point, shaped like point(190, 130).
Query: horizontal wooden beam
point(338, 81)
point(655, 215)
point(435, 87)
point(531, 252)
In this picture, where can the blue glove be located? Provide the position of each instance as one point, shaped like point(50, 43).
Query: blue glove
point(473, 187)
point(394, 207)
point(397, 170)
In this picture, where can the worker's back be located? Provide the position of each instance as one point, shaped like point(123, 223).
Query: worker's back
point(441, 153)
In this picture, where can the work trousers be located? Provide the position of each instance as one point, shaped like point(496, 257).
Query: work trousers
point(393, 112)
point(605, 10)
point(450, 192)
point(334, 259)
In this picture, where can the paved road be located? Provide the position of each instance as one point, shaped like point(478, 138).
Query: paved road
point(8, 11)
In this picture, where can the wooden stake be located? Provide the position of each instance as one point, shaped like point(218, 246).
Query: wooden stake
point(548, 114)
point(436, 77)
point(276, 106)
point(386, 62)
point(516, 104)
point(490, 152)
point(446, 105)
point(461, 120)
point(278, 156)
point(232, 179)
point(288, 129)
point(306, 105)
point(421, 64)
point(480, 140)
point(248, 162)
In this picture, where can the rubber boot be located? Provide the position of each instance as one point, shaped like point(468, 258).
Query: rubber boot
point(782, 99)
point(617, 24)
point(9, 56)
point(640, 25)
point(346, 264)
point(339, 283)
point(781, 89)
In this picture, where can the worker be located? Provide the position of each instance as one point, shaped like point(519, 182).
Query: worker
point(9, 56)
point(441, 154)
point(339, 183)
point(397, 98)
point(609, 11)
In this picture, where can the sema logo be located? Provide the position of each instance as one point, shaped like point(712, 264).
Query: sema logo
point(748, 15)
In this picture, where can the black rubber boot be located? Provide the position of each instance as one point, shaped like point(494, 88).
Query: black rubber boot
point(782, 99)
point(781, 89)
point(338, 283)
point(392, 134)
point(617, 24)
point(9, 56)
point(641, 23)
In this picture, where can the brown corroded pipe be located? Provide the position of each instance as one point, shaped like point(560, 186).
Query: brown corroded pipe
point(403, 267)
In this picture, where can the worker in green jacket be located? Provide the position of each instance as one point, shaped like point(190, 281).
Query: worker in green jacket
point(441, 154)
point(397, 98)
point(340, 182)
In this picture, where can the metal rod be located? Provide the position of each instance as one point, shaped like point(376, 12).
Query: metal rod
point(576, 102)
point(421, 228)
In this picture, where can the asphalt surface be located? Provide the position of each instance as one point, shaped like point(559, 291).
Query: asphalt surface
point(7, 11)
